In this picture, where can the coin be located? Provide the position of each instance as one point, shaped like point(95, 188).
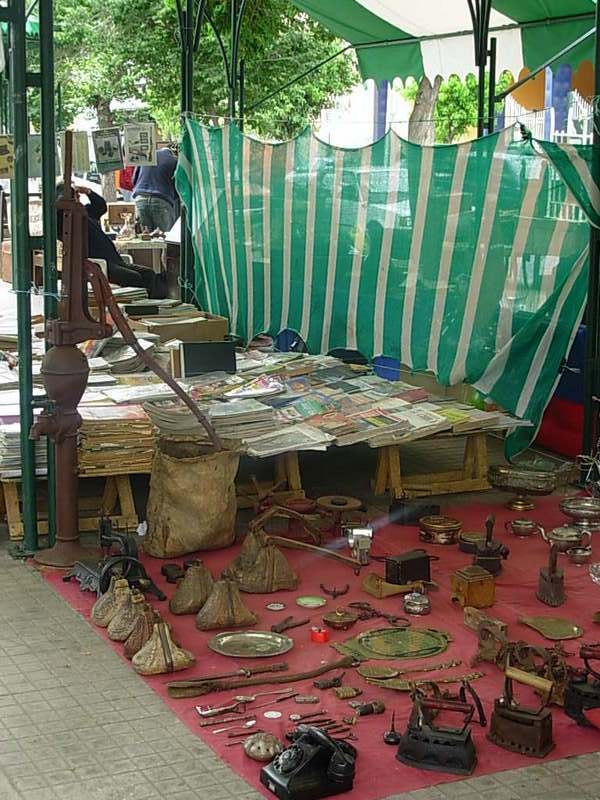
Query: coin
point(275, 606)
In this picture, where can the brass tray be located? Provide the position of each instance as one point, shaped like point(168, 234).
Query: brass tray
point(384, 643)
point(250, 644)
point(553, 628)
point(519, 479)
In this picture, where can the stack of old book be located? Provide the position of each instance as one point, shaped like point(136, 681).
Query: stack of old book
point(122, 294)
point(115, 440)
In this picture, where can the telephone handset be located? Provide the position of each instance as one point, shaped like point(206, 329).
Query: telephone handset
point(341, 763)
point(314, 766)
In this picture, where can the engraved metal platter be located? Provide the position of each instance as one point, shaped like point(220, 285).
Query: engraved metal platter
point(250, 644)
point(395, 643)
point(553, 628)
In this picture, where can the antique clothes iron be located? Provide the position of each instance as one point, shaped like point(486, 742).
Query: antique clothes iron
point(428, 746)
point(551, 585)
point(583, 690)
point(490, 552)
point(517, 728)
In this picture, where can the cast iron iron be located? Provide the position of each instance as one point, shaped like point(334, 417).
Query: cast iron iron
point(583, 690)
point(439, 749)
point(551, 584)
point(520, 729)
point(490, 553)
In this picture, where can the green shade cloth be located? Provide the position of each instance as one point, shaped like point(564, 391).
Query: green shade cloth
point(529, 32)
point(32, 29)
point(468, 261)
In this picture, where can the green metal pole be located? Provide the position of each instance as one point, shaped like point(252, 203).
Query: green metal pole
point(21, 266)
point(48, 210)
point(591, 374)
point(186, 253)
point(233, 11)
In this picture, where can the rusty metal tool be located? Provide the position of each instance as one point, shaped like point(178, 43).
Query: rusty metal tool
point(288, 623)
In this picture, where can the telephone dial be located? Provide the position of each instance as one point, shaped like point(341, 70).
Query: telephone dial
point(314, 766)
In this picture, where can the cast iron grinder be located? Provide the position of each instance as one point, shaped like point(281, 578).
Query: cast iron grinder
point(490, 552)
point(583, 690)
point(551, 584)
point(514, 727)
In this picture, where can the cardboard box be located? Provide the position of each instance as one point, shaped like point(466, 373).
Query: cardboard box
point(198, 327)
point(116, 211)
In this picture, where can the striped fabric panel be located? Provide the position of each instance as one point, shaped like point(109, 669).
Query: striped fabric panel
point(461, 260)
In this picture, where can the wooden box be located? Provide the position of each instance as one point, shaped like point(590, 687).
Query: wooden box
point(197, 326)
point(473, 586)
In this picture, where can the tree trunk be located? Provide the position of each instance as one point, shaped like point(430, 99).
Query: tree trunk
point(421, 127)
point(105, 120)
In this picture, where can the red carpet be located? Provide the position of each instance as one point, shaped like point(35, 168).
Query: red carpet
point(378, 772)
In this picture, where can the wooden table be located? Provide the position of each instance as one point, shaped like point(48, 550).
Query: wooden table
point(116, 501)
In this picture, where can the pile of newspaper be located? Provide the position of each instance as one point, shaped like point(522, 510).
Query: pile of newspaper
point(238, 420)
point(172, 417)
point(294, 437)
point(242, 419)
point(10, 451)
point(122, 358)
point(115, 440)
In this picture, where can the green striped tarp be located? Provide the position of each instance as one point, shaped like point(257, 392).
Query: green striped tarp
point(437, 37)
point(468, 261)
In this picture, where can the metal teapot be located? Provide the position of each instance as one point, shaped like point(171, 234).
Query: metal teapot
point(522, 528)
point(567, 536)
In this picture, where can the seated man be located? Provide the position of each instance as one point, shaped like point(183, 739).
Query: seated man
point(101, 246)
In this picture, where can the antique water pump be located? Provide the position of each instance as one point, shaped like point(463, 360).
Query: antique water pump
point(65, 369)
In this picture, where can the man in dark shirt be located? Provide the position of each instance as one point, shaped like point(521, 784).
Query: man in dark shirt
point(154, 192)
point(101, 246)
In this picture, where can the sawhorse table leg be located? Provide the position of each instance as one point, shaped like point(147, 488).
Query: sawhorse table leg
point(471, 478)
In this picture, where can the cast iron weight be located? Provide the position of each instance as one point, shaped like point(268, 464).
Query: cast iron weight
point(392, 736)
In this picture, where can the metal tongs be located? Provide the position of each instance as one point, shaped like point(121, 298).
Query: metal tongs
point(366, 611)
point(240, 701)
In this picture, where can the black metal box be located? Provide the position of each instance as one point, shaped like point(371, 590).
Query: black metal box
point(408, 567)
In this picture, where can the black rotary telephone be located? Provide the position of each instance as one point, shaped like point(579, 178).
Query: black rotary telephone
point(314, 766)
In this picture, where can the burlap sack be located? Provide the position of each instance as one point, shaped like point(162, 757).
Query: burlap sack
point(192, 503)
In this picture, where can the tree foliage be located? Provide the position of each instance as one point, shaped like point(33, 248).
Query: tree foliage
point(456, 109)
point(119, 49)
